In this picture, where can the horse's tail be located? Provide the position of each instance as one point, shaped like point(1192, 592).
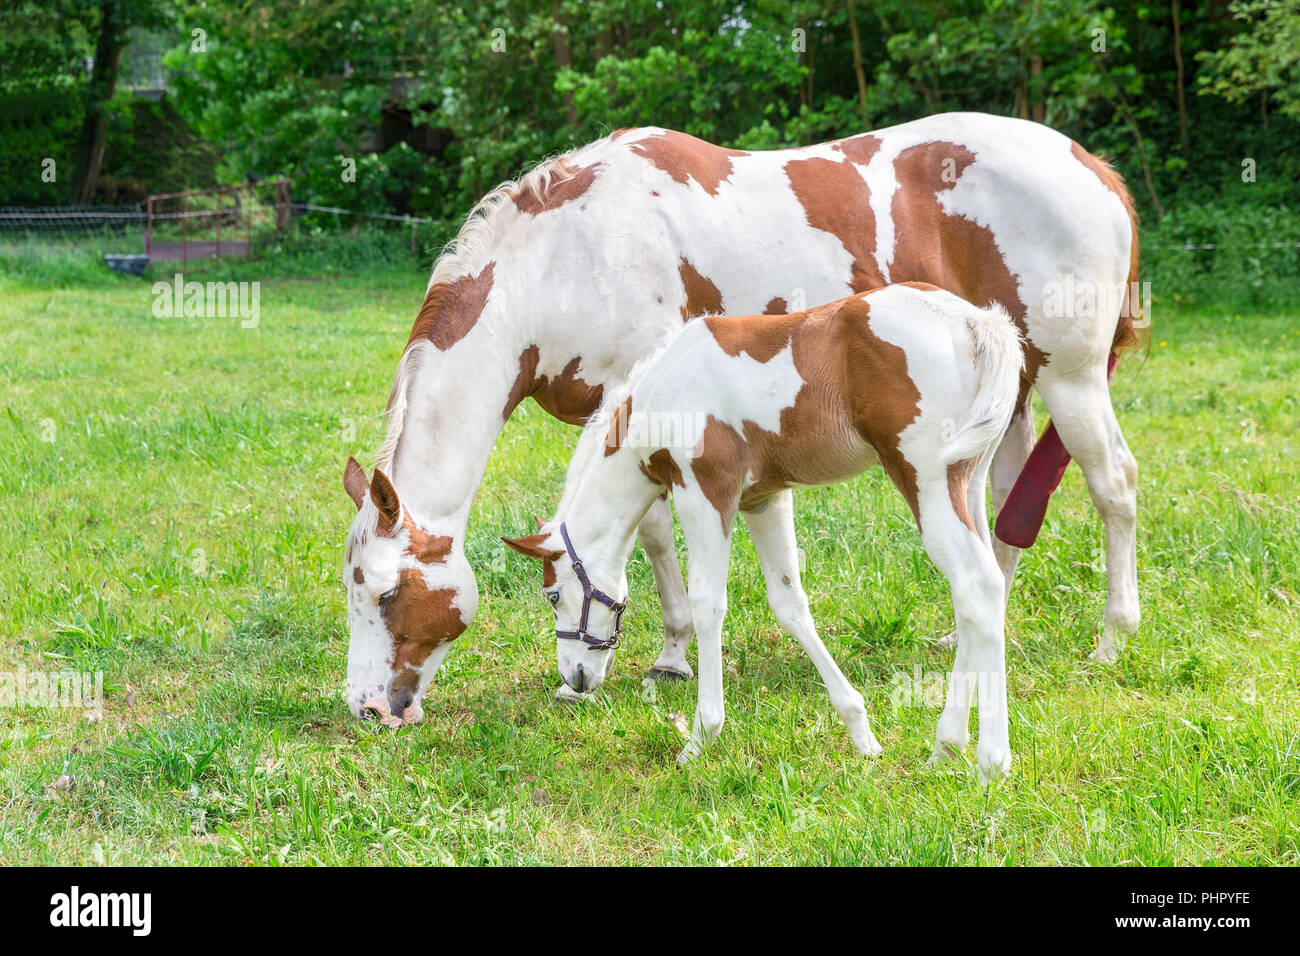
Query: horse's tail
point(1130, 315)
point(999, 360)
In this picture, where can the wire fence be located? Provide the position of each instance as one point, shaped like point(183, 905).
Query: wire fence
point(227, 221)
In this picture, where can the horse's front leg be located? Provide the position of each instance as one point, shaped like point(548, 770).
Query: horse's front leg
point(708, 541)
point(656, 536)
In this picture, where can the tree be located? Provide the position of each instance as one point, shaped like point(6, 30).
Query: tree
point(1262, 60)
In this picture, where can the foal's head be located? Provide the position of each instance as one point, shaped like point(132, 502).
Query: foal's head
point(410, 593)
point(588, 602)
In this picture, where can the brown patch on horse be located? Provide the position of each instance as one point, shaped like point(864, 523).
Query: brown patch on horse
point(452, 308)
point(702, 296)
point(762, 339)
point(662, 469)
point(618, 426)
point(777, 306)
point(1126, 335)
point(419, 619)
point(424, 547)
point(859, 149)
point(719, 467)
point(684, 157)
point(883, 399)
point(358, 576)
point(959, 475)
point(568, 397)
point(856, 393)
point(953, 252)
point(570, 183)
point(836, 199)
point(525, 381)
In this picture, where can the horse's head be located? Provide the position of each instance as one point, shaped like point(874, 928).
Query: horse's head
point(588, 617)
point(410, 594)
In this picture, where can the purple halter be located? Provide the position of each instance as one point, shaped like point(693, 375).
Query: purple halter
point(589, 594)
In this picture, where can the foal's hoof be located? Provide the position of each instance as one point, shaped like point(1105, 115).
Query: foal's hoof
point(993, 763)
point(571, 696)
point(948, 640)
point(664, 673)
point(1105, 652)
point(945, 755)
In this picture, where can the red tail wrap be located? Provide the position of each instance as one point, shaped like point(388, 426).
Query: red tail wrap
point(1021, 517)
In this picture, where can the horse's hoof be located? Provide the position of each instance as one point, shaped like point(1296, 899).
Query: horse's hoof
point(1105, 652)
point(948, 640)
point(663, 673)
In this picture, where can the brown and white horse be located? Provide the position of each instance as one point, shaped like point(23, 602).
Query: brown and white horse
point(559, 282)
point(909, 377)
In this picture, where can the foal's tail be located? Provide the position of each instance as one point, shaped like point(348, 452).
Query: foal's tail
point(999, 360)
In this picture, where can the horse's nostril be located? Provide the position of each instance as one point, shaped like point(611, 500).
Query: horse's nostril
point(398, 702)
point(579, 679)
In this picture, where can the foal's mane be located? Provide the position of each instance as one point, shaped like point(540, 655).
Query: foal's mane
point(481, 229)
point(596, 432)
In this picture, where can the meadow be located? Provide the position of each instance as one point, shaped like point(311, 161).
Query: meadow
point(172, 515)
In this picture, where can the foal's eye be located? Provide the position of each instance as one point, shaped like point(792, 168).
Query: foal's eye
point(553, 597)
point(387, 595)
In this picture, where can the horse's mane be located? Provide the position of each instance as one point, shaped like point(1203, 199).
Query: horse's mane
point(480, 231)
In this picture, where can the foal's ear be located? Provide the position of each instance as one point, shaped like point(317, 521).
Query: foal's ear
point(539, 522)
point(532, 546)
point(354, 481)
point(384, 495)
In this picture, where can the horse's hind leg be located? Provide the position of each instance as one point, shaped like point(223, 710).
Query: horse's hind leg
point(1008, 461)
point(1080, 407)
point(965, 557)
point(772, 530)
point(656, 536)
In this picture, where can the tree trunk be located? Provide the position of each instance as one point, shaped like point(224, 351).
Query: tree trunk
point(1037, 111)
point(1178, 61)
point(103, 81)
point(563, 55)
point(857, 64)
point(1122, 105)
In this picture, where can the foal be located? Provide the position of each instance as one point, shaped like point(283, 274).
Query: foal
point(734, 412)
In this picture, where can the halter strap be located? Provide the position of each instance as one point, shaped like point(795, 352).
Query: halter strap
point(590, 594)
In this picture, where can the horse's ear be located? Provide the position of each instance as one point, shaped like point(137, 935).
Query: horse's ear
point(384, 495)
point(532, 546)
point(540, 523)
point(354, 481)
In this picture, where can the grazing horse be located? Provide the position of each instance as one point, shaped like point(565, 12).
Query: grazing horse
point(909, 377)
point(557, 283)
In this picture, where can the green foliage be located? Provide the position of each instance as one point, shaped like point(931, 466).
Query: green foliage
point(1263, 59)
point(38, 124)
point(1253, 263)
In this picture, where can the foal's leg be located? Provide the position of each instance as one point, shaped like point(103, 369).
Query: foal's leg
point(772, 530)
point(1080, 407)
point(708, 542)
point(1008, 461)
point(656, 535)
point(967, 561)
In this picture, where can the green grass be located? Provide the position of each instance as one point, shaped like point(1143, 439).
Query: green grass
point(181, 531)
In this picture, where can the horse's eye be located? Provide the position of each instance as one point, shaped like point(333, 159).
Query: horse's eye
point(553, 597)
point(387, 595)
